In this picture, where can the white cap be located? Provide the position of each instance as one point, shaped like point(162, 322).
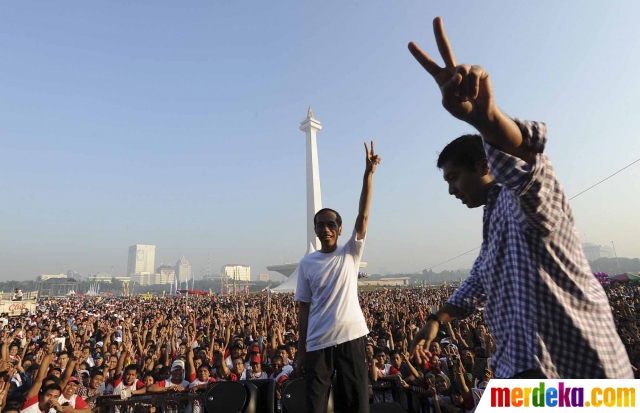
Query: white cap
point(177, 364)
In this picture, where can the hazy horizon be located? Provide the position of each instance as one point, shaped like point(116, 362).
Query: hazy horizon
point(176, 125)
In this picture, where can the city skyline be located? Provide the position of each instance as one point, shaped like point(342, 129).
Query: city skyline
point(592, 251)
point(178, 126)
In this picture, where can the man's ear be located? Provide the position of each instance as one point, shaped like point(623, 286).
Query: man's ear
point(340, 231)
point(483, 167)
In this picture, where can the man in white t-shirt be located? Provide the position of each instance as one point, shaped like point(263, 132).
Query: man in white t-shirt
point(331, 325)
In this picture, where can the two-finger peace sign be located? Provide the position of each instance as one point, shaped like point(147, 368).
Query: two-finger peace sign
point(372, 159)
point(466, 90)
point(441, 75)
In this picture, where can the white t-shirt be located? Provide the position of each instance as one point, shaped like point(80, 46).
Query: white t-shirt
point(330, 283)
point(75, 402)
point(255, 376)
point(32, 406)
point(169, 383)
point(279, 376)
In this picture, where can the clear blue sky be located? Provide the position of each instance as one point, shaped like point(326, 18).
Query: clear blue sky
point(176, 124)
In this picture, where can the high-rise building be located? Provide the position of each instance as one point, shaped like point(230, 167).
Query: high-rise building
point(141, 259)
point(165, 274)
point(183, 270)
point(237, 272)
point(143, 278)
point(264, 277)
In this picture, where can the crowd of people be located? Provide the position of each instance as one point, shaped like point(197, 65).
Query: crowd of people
point(72, 351)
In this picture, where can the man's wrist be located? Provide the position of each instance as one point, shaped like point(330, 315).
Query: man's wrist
point(434, 317)
point(489, 121)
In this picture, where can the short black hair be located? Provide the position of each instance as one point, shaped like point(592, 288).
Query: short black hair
point(96, 372)
point(132, 367)
point(11, 408)
point(52, 378)
point(338, 217)
point(204, 366)
point(465, 151)
point(52, 386)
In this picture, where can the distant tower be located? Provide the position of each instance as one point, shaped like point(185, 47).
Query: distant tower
point(183, 271)
point(314, 198)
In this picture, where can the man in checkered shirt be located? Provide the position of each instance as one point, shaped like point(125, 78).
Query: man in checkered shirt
point(549, 315)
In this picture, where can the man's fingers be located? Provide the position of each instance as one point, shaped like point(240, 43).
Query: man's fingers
point(424, 60)
point(418, 342)
point(366, 148)
point(372, 149)
point(476, 73)
point(443, 43)
point(463, 87)
point(450, 89)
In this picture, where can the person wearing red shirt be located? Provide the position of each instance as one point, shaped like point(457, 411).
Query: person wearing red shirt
point(44, 401)
point(176, 383)
point(256, 369)
point(69, 398)
point(199, 383)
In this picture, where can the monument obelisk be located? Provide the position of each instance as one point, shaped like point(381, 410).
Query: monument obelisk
point(310, 126)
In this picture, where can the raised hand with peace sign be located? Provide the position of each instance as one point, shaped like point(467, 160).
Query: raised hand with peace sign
point(372, 159)
point(365, 196)
point(468, 95)
point(466, 90)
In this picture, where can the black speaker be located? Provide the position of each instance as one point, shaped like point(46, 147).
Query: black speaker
point(386, 408)
point(266, 395)
point(231, 397)
point(294, 397)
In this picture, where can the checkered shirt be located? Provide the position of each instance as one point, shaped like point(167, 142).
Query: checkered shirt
point(541, 301)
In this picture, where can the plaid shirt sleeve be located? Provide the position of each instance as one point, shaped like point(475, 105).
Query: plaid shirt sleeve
point(540, 195)
point(470, 296)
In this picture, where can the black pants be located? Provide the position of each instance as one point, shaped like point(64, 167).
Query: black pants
point(348, 361)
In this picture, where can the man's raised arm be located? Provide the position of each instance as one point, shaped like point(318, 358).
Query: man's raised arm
point(365, 197)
